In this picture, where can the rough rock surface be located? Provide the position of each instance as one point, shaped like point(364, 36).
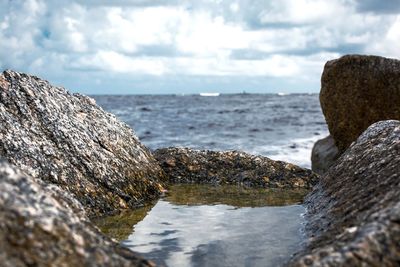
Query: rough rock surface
point(66, 139)
point(184, 165)
point(354, 211)
point(324, 154)
point(42, 225)
point(357, 91)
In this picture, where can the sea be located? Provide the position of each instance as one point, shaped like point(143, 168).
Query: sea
point(279, 126)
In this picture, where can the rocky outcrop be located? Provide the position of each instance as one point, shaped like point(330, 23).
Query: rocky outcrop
point(354, 211)
point(42, 225)
point(66, 139)
point(184, 165)
point(357, 91)
point(324, 154)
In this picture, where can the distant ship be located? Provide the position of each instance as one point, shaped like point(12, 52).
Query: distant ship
point(209, 94)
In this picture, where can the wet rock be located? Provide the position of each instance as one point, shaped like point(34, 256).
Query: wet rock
point(184, 165)
point(354, 211)
point(66, 139)
point(324, 154)
point(357, 91)
point(42, 225)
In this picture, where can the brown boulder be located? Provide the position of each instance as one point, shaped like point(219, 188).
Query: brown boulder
point(357, 91)
point(353, 213)
point(66, 139)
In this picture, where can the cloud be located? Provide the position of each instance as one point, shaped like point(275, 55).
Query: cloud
point(379, 6)
point(128, 3)
point(299, 12)
point(386, 45)
point(137, 39)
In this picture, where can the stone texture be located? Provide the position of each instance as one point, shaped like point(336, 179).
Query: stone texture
point(354, 211)
point(324, 154)
point(184, 165)
point(357, 91)
point(42, 225)
point(66, 139)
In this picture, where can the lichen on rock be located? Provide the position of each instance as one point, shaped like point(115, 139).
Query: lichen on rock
point(185, 165)
point(66, 139)
point(354, 212)
point(43, 225)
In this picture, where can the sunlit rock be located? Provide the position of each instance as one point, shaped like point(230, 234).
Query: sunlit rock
point(66, 139)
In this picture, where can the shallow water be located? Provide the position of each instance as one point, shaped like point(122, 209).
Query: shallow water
point(202, 225)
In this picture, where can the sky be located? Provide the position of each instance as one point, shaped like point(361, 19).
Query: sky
point(185, 47)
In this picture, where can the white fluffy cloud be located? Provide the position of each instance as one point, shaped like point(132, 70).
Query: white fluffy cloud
point(285, 39)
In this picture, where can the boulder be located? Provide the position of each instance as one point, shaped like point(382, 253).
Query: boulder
point(185, 165)
point(357, 91)
point(66, 139)
point(353, 213)
point(42, 225)
point(324, 154)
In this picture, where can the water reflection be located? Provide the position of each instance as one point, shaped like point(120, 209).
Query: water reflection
point(216, 226)
point(237, 196)
point(120, 226)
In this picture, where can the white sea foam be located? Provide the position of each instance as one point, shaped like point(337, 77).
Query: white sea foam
point(296, 151)
point(209, 94)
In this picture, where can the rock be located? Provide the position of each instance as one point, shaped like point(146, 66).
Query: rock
point(324, 154)
point(42, 225)
point(66, 139)
point(185, 165)
point(357, 91)
point(354, 211)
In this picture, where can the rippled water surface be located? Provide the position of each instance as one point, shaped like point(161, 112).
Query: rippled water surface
point(201, 225)
point(280, 127)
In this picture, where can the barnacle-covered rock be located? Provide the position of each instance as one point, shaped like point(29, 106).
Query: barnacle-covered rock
point(185, 165)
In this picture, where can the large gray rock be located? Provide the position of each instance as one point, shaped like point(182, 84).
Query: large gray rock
point(42, 225)
point(66, 139)
point(357, 91)
point(185, 165)
point(354, 212)
point(324, 154)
